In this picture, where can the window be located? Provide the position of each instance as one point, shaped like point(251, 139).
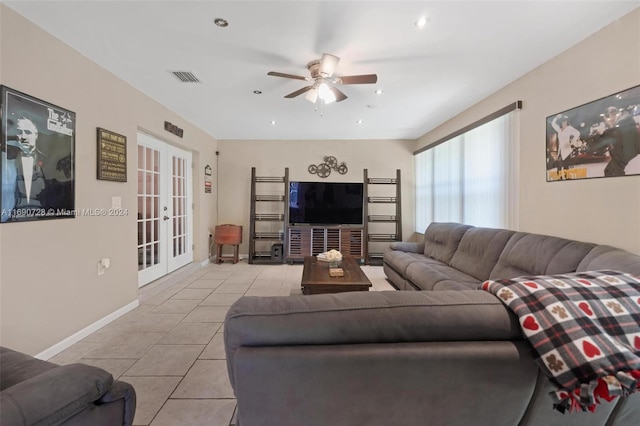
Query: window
point(470, 176)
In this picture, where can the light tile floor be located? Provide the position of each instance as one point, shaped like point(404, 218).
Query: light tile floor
point(170, 348)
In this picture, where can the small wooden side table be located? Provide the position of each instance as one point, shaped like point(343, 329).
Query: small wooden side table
point(229, 235)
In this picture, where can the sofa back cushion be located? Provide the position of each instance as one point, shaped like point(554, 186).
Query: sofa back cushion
point(479, 250)
point(18, 367)
point(534, 254)
point(441, 240)
point(607, 257)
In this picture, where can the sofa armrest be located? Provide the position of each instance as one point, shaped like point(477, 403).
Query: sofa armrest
point(53, 396)
point(126, 392)
point(408, 247)
point(373, 317)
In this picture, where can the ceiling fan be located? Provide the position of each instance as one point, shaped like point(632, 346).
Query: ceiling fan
point(322, 88)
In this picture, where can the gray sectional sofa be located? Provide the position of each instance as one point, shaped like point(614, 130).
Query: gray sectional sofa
point(453, 256)
point(454, 356)
point(36, 392)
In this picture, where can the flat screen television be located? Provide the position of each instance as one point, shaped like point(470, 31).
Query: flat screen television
point(325, 203)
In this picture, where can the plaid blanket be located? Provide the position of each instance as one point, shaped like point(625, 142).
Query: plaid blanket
point(584, 329)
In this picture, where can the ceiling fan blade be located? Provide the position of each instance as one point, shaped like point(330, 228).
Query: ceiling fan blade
point(328, 64)
point(299, 92)
point(279, 74)
point(357, 79)
point(339, 95)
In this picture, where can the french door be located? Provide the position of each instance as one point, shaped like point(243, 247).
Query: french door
point(165, 214)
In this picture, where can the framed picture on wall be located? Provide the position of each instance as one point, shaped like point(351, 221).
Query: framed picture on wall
point(38, 159)
point(597, 139)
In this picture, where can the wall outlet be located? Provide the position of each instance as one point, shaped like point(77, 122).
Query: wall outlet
point(103, 264)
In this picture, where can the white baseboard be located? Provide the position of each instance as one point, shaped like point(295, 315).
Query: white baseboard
point(204, 263)
point(75, 338)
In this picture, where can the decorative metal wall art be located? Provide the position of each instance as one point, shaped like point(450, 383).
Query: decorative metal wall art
point(330, 163)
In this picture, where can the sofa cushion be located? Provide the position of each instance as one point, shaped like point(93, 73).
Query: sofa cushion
point(534, 254)
point(397, 280)
point(409, 247)
point(18, 367)
point(607, 257)
point(358, 318)
point(442, 239)
point(55, 395)
point(368, 317)
point(454, 285)
point(399, 260)
point(479, 250)
point(438, 276)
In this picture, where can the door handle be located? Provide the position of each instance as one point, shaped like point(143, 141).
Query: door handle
point(166, 218)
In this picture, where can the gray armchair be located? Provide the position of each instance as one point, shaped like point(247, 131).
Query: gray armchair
point(36, 392)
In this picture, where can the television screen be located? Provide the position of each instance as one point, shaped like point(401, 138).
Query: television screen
point(325, 203)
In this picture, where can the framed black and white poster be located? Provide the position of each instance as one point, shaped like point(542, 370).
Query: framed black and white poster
point(37, 174)
point(597, 139)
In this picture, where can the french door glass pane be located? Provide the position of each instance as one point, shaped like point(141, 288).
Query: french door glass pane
point(140, 157)
point(148, 207)
point(179, 205)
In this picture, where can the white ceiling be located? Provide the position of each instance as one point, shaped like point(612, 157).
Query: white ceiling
point(467, 50)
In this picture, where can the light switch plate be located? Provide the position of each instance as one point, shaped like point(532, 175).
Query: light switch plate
point(116, 202)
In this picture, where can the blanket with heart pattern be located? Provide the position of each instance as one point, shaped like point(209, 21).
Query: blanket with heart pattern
point(584, 329)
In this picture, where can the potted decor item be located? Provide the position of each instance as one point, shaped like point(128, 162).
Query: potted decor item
point(334, 257)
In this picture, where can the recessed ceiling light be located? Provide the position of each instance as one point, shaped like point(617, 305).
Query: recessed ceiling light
point(221, 22)
point(359, 121)
point(273, 122)
point(257, 92)
point(379, 92)
point(421, 22)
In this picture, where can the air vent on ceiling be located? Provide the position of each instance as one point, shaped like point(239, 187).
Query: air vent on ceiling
point(186, 76)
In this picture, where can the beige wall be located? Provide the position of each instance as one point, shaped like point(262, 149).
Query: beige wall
point(602, 211)
point(380, 157)
point(48, 270)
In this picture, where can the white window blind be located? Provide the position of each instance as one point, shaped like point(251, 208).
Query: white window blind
point(469, 178)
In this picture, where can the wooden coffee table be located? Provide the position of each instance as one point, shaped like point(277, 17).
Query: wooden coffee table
point(316, 279)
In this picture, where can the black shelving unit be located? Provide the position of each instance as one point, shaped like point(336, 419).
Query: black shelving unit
point(269, 217)
point(383, 215)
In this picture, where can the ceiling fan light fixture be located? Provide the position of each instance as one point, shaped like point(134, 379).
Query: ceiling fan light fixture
point(323, 86)
point(328, 64)
point(325, 93)
point(312, 96)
